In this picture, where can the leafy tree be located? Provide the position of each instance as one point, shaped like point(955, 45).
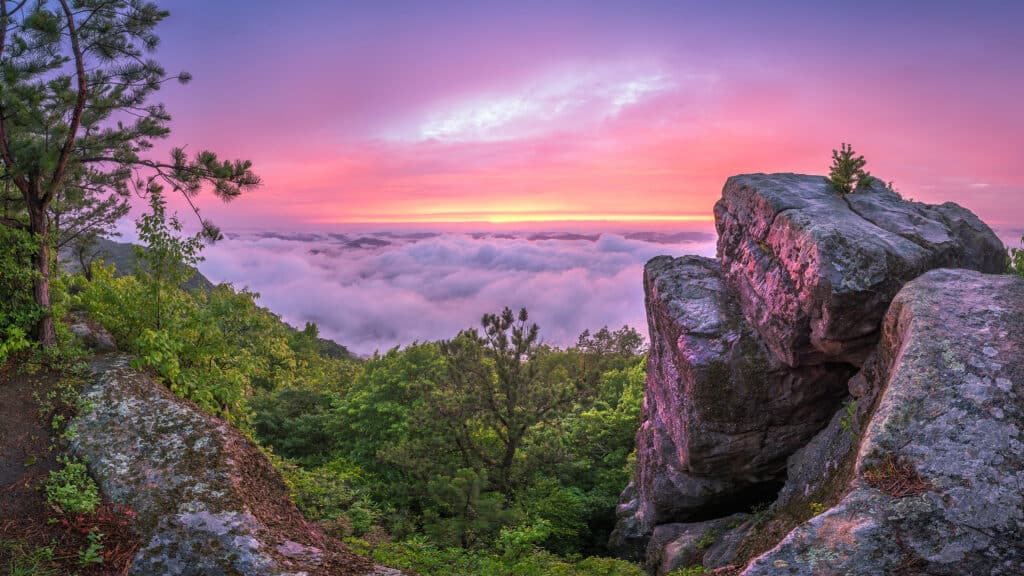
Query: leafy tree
point(847, 171)
point(605, 350)
point(494, 391)
point(167, 260)
point(77, 118)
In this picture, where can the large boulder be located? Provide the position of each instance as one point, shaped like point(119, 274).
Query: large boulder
point(814, 271)
point(937, 483)
point(207, 501)
point(720, 414)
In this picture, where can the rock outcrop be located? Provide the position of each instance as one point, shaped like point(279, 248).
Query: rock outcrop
point(938, 486)
point(814, 271)
point(752, 355)
point(207, 501)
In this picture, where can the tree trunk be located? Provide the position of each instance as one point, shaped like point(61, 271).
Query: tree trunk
point(39, 226)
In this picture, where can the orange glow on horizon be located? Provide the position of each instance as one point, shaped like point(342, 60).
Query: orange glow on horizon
point(514, 218)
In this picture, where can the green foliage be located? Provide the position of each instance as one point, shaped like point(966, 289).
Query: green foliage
point(335, 495)
point(515, 542)
point(1015, 261)
point(18, 311)
point(92, 553)
point(79, 125)
point(421, 442)
point(167, 260)
point(211, 347)
point(425, 558)
point(848, 421)
point(295, 422)
point(71, 490)
point(25, 560)
point(847, 172)
point(688, 571)
point(708, 539)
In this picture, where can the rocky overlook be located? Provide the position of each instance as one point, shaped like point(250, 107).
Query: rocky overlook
point(206, 500)
point(792, 370)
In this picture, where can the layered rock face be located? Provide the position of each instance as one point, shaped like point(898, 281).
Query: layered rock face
point(207, 501)
point(938, 486)
point(751, 354)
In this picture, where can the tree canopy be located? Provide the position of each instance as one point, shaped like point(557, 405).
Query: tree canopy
point(79, 127)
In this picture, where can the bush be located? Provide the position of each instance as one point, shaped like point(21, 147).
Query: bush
point(334, 495)
point(18, 311)
point(71, 490)
point(1016, 260)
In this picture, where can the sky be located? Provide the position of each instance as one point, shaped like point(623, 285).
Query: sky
point(442, 111)
point(493, 125)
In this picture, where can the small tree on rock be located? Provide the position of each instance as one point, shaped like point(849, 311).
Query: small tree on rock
point(847, 172)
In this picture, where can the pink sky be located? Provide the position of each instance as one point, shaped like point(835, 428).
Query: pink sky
point(386, 112)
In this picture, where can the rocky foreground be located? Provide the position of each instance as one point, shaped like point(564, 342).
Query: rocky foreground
point(207, 501)
point(818, 402)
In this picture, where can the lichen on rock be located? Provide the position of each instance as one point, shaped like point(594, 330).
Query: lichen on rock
point(206, 499)
point(749, 385)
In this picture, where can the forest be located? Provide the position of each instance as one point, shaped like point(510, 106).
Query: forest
point(491, 452)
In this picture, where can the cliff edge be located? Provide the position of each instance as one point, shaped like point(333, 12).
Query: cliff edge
point(764, 362)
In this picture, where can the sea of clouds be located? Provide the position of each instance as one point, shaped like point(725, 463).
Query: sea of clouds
point(373, 291)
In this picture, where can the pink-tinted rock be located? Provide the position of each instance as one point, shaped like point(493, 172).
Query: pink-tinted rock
point(815, 271)
point(948, 382)
point(720, 414)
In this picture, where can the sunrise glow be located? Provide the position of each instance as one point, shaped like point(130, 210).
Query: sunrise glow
point(574, 111)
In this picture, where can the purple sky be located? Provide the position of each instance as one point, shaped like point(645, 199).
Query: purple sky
point(537, 111)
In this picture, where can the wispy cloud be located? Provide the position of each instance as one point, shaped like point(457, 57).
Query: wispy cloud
point(572, 100)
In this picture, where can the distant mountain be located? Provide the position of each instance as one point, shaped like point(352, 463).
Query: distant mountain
point(122, 256)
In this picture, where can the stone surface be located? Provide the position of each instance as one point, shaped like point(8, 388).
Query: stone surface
point(682, 545)
point(815, 271)
point(207, 501)
point(720, 414)
point(93, 335)
point(950, 405)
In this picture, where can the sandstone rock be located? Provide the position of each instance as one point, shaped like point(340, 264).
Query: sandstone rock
point(720, 414)
point(939, 471)
point(207, 501)
point(681, 545)
point(815, 271)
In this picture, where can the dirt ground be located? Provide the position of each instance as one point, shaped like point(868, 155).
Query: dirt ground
point(27, 522)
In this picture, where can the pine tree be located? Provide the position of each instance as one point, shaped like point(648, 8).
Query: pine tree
point(78, 124)
point(847, 172)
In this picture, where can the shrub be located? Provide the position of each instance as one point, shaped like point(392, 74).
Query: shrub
point(18, 311)
point(334, 495)
point(71, 490)
point(1015, 262)
point(847, 171)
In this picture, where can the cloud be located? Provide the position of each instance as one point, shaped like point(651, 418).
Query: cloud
point(424, 287)
point(570, 99)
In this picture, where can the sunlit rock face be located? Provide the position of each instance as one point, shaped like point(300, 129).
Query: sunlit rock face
point(814, 271)
point(948, 385)
point(752, 355)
